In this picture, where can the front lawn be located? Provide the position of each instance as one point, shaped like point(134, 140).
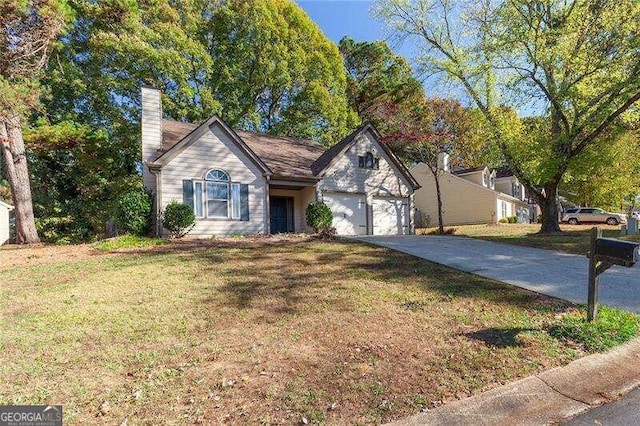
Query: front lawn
point(260, 331)
point(573, 239)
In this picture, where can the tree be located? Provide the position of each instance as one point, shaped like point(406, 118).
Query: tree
point(575, 60)
point(607, 174)
point(227, 58)
point(377, 76)
point(424, 132)
point(27, 31)
point(275, 71)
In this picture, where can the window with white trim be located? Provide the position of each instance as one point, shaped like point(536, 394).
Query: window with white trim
point(216, 197)
point(217, 194)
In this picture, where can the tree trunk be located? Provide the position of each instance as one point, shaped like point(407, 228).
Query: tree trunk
point(550, 210)
point(439, 195)
point(15, 159)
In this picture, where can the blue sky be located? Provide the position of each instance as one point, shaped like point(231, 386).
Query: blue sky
point(338, 18)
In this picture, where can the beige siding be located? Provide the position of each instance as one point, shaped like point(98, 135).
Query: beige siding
point(151, 132)
point(345, 175)
point(4, 224)
point(215, 150)
point(464, 202)
point(475, 177)
point(504, 185)
point(301, 199)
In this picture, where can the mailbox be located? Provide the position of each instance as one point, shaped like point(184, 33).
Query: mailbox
point(606, 252)
point(623, 253)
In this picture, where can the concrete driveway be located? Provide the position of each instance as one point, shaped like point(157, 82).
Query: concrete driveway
point(553, 273)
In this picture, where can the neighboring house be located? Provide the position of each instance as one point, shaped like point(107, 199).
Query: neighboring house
point(469, 196)
point(249, 183)
point(4, 222)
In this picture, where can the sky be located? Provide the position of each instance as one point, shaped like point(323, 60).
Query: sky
point(338, 18)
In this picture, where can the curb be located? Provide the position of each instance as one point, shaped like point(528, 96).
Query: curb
point(548, 397)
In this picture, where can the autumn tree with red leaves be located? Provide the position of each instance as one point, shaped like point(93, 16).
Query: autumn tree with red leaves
point(420, 132)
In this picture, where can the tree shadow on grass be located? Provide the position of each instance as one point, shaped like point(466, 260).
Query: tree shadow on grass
point(452, 283)
point(499, 337)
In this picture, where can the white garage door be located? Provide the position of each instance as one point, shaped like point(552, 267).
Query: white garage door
point(390, 216)
point(349, 213)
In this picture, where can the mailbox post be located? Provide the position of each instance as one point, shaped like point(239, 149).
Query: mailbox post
point(604, 253)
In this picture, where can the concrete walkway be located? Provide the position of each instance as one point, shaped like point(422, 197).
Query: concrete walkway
point(556, 274)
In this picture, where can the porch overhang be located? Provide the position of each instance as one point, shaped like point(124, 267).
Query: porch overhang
point(292, 182)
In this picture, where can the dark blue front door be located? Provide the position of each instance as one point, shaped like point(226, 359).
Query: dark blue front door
point(281, 214)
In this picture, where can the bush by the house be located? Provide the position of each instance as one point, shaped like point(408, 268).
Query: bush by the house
point(509, 219)
point(133, 212)
point(319, 216)
point(178, 218)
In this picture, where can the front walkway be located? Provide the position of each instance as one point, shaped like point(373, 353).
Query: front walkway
point(553, 273)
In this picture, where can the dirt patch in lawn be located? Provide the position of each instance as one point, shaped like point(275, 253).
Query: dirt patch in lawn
point(12, 255)
point(259, 330)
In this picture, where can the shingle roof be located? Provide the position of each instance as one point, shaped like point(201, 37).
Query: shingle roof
point(503, 172)
point(174, 131)
point(470, 170)
point(285, 156)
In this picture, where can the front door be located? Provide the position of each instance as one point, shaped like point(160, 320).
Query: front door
point(281, 214)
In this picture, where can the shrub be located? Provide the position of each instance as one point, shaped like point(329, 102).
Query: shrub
point(133, 212)
point(447, 231)
point(327, 233)
point(319, 216)
point(128, 242)
point(61, 230)
point(178, 218)
point(512, 219)
point(504, 220)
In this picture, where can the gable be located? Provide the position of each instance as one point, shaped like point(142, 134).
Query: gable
point(213, 148)
point(344, 172)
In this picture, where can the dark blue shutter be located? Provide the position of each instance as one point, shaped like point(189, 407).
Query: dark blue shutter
point(187, 192)
point(244, 202)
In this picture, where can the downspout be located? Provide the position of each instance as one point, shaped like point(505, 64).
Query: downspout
point(157, 172)
point(267, 222)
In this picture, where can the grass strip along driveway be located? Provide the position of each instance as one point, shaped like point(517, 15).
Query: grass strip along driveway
point(573, 238)
point(260, 330)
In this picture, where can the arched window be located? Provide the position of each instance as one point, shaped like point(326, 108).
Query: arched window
point(215, 196)
point(217, 175)
point(219, 192)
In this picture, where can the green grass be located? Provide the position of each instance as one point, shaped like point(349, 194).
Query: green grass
point(610, 328)
point(572, 239)
point(261, 331)
point(128, 242)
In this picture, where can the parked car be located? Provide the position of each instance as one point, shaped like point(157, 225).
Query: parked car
point(575, 216)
